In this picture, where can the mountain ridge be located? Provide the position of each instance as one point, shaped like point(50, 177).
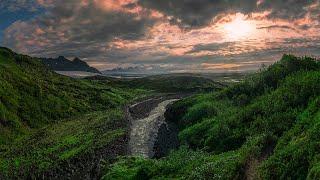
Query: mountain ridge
point(63, 64)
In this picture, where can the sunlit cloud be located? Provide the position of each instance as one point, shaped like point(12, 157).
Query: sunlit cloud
point(210, 66)
point(219, 35)
point(239, 28)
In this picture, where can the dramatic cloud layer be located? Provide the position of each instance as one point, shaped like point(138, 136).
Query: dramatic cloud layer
point(203, 12)
point(175, 35)
point(18, 5)
point(69, 26)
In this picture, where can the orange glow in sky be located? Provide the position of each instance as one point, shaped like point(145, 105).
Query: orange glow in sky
point(239, 28)
point(108, 33)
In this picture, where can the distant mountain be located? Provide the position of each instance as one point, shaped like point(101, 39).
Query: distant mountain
point(138, 70)
point(63, 64)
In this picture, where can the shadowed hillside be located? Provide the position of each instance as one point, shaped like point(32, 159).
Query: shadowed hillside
point(47, 120)
point(55, 126)
point(32, 95)
point(266, 127)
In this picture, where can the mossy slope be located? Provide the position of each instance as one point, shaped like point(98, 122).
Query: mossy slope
point(266, 127)
point(48, 120)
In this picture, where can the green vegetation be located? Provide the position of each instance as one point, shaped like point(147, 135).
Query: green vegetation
point(170, 83)
point(47, 119)
point(33, 96)
point(48, 147)
point(52, 124)
point(266, 127)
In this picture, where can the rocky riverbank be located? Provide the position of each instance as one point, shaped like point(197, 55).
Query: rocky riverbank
point(150, 134)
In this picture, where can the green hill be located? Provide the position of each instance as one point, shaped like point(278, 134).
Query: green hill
point(33, 96)
point(266, 127)
point(47, 120)
point(55, 126)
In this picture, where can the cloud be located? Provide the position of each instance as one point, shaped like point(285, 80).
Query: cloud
point(18, 5)
point(289, 9)
point(190, 13)
point(314, 11)
point(176, 35)
point(198, 13)
point(212, 47)
point(277, 27)
point(214, 66)
point(75, 24)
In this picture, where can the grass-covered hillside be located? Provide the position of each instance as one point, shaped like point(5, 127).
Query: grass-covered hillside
point(266, 127)
point(48, 120)
point(33, 96)
point(53, 126)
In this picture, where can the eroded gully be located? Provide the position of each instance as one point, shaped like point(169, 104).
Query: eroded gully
point(144, 130)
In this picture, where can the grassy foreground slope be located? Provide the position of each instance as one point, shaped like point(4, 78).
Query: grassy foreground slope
point(53, 126)
point(266, 127)
point(47, 120)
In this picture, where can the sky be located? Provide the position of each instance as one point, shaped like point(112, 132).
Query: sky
point(170, 35)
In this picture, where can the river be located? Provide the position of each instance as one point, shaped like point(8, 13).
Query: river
point(144, 131)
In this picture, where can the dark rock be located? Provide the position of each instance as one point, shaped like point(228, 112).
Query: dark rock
point(63, 64)
point(167, 140)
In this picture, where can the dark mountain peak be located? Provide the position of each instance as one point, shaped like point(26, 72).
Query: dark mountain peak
point(63, 64)
point(62, 58)
point(77, 59)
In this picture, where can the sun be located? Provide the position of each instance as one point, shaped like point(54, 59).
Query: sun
point(238, 28)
